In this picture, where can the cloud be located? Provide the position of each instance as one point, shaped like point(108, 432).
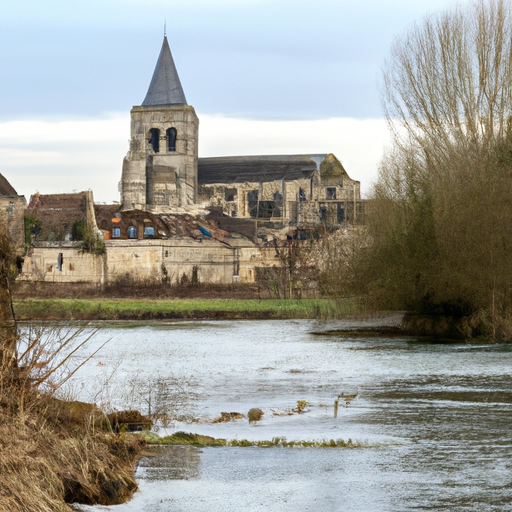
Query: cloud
point(54, 156)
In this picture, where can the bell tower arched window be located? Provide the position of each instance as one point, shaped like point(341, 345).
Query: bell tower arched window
point(154, 140)
point(171, 139)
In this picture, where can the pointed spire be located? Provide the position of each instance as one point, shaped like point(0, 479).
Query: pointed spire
point(165, 87)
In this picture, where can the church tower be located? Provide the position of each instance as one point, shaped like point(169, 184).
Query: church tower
point(160, 169)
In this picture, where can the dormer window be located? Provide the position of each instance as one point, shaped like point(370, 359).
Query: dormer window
point(154, 139)
point(171, 139)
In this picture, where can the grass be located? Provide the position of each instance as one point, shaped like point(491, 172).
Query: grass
point(124, 309)
point(184, 438)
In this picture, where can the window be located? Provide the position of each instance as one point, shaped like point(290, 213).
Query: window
point(132, 232)
point(330, 193)
point(171, 139)
point(278, 204)
point(341, 213)
point(323, 213)
point(230, 194)
point(154, 139)
point(302, 195)
point(11, 209)
point(252, 200)
point(116, 232)
point(60, 261)
point(149, 232)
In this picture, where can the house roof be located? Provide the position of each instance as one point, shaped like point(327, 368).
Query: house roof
point(58, 212)
point(260, 168)
point(165, 87)
point(6, 188)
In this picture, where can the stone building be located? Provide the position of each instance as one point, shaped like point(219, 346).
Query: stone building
point(162, 171)
point(12, 208)
point(288, 190)
point(135, 246)
point(184, 218)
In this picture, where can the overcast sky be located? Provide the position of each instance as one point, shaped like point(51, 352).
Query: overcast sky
point(265, 77)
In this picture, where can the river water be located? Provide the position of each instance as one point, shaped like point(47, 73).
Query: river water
point(431, 421)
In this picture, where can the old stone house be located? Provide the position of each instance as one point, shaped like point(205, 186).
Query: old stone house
point(133, 245)
point(12, 208)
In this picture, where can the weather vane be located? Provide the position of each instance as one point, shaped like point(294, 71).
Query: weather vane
point(165, 28)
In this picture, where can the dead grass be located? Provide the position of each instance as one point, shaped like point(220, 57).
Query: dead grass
point(55, 452)
point(47, 461)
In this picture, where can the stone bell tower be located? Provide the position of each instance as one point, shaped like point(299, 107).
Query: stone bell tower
point(160, 169)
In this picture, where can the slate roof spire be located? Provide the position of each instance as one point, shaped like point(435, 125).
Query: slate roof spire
point(165, 87)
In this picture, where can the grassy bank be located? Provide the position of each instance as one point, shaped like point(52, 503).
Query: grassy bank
point(124, 309)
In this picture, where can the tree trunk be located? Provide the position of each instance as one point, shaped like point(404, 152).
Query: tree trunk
point(8, 327)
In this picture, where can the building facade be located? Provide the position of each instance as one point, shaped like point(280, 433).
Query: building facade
point(184, 218)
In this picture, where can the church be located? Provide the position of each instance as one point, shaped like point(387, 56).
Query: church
point(162, 170)
point(182, 218)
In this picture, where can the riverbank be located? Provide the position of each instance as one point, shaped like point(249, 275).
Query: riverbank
point(53, 453)
point(183, 309)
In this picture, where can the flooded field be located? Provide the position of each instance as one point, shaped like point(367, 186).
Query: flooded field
point(431, 421)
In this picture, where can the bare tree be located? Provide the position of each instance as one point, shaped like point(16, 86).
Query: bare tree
point(448, 82)
point(442, 209)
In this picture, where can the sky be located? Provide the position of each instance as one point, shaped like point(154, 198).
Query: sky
point(264, 76)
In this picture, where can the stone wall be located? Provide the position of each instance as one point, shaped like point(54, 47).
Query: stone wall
point(61, 262)
point(12, 211)
point(144, 261)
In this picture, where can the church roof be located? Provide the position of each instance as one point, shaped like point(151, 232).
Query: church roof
point(165, 87)
point(260, 168)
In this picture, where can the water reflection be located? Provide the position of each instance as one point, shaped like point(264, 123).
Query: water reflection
point(169, 463)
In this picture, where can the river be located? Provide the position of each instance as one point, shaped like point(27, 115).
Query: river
point(431, 421)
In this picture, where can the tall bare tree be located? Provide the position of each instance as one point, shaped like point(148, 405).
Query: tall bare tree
point(441, 220)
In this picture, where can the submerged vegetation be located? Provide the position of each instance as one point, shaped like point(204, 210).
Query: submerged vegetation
point(185, 438)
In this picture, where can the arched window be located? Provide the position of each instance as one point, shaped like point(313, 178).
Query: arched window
point(155, 139)
point(171, 138)
point(132, 232)
point(116, 232)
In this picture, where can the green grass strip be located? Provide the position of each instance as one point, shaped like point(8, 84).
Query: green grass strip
point(123, 309)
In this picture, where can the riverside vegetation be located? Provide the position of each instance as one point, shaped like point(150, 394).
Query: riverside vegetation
point(438, 242)
point(52, 452)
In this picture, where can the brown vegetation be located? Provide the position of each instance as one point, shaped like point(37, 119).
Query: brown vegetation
point(228, 416)
point(52, 452)
point(439, 241)
point(126, 288)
